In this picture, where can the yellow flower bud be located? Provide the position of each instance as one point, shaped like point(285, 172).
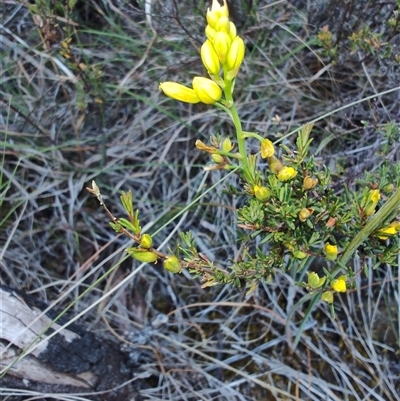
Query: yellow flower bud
point(396, 225)
point(309, 182)
point(232, 30)
point(210, 33)
point(262, 193)
point(146, 241)
point(235, 54)
point(274, 164)
point(289, 246)
point(142, 255)
point(221, 43)
point(314, 281)
point(209, 58)
point(216, 12)
point(286, 173)
point(222, 25)
point(339, 284)
point(179, 92)
point(299, 254)
point(369, 201)
point(207, 90)
point(227, 145)
point(172, 264)
point(304, 214)
point(327, 297)
point(219, 159)
point(267, 149)
point(331, 251)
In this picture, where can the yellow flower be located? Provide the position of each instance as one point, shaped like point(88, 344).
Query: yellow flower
point(179, 92)
point(235, 54)
point(331, 251)
point(304, 214)
point(267, 149)
point(286, 173)
point(209, 58)
point(389, 231)
point(369, 201)
point(261, 193)
point(339, 284)
point(221, 43)
point(207, 90)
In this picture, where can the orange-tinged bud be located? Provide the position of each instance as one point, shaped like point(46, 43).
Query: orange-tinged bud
point(202, 146)
point(207, 90)
point(221, 43)
point(274, 164)
point(179, 92)
point(209, 58)
point(267, 149)
point(172, 264)
point(304, 214)
point(235, 54)
point(331, 251)
point(309, 182)
point(339, 285)
point(286, 173)
point(262, 193)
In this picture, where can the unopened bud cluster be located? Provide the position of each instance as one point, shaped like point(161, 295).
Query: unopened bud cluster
point(223, 49)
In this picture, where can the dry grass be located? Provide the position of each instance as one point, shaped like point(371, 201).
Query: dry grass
point(64, 126)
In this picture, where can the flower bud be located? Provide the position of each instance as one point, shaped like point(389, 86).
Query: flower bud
point(146, 241)
point(221, 44)
point(172, 264)
point(207, 90)
point(327, 297)
point(267, 149)
point(314, 281)
point(369, 201)
point(179, 92)
point(339, 284)
point(299, 254)
point(235, 54)
point(210, 33)
point(218, 159)
point(286, 173)
point(309, 182)
point(222, 25)
point(331, 251)
point(142, 255)
point(388, 189)
point(227, 145)
point(262, 193)
point(232, 30)
point(304, 214)
point(209, 58)
point(274, 164)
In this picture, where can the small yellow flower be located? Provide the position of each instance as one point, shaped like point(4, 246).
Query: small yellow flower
point(235, 54)
point(331, 251)
point(179, 92)
point(267, 148)
point(339, 284)
point(261, 193)
point(207, 90)
point(286, 173)
point(309, 182)
point(304, 214)
point(209, 58)
point(369, 201)
point(389, 231)
point(172, 264)
point(221, 43)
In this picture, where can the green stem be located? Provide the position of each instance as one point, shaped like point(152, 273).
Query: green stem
point(376, 221)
